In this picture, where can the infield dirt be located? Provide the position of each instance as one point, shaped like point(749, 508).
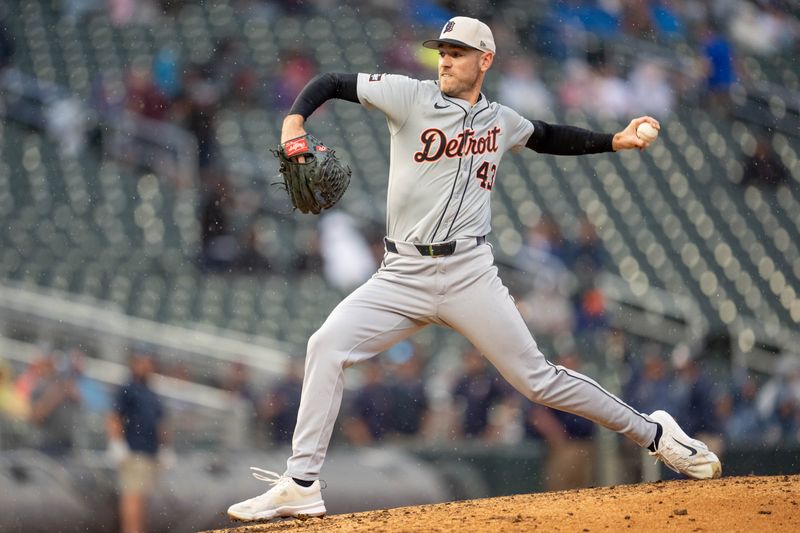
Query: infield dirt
point(727, 504)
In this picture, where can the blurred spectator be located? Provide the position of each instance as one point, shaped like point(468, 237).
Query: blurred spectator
point(66, 122)
point(763, 29)
point(586, 257)
point(784, 425)
point(218, 245)
point(125, 12)
point(649, 386)
point(278, 409)
point(778, 402)
point(237, 383)
point(601, 18)
point(719, 66)
point(617, 346)
point(348, 261)
point(179, 369)
point(107, 96)
point(764, 168)
point(308, 257)
point(28, 380)
point(297, 70)
point(478, 391)
point(610, 94)
point(401, 57)
point(694, 393)
point(575, 91)
point(55, 405)
point(137, 442)
point(666, 17)
point(12, 405)
point(785, 379)
point(7, 47)
point(428, 12)
point(570, 448)
point(590, 310)
point(195, 108)
point(143, 97)
point(251, 259)
point(651, 93)
point(75, 10)
point(173, 7)
point(547, 310)
point(544, 248)
point(637, 19)
point(231, 72)
point(739, 414)
point(407, 391)
point(166, 73)
point(94, 395)
point(371, 410)
point(521, 88)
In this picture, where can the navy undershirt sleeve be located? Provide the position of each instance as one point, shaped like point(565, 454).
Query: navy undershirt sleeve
point(322, 88)
point(557, 139)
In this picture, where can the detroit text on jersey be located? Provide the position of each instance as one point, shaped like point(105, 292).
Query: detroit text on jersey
point(435, 144)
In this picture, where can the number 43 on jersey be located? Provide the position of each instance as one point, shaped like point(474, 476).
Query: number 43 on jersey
point(486, 173)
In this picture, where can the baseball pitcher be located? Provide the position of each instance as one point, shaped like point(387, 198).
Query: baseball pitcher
point(447, 139)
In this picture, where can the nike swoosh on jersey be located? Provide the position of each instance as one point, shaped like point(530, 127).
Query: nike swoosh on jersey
point(437, 106)
point(692, 450)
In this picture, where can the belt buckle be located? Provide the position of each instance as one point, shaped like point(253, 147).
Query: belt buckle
point(431, 253)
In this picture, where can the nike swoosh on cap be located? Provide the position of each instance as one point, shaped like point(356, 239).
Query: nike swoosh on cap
point(692, 450)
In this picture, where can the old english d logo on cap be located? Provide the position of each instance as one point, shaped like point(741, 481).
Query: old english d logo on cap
point(464, 31)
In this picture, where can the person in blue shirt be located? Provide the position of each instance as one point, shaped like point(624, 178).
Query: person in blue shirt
point(720, 66)
point(408, 397)
point(137, 443)
point(371, 408)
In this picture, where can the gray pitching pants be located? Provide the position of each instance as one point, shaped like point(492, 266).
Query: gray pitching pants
point(461, 291)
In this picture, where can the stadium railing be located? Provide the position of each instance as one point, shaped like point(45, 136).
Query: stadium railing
point(197, 414)
point(108, 333)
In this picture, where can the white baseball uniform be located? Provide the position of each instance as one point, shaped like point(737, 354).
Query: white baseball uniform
point(444, 157)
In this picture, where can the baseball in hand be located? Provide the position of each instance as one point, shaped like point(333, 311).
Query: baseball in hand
point(646, 132)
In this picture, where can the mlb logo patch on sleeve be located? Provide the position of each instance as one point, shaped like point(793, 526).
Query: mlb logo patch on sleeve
point(375, 77)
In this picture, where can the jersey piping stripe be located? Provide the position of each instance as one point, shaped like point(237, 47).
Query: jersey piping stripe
point(469, 174)
point(463, 193)
point(634, 411)
point(455, 180)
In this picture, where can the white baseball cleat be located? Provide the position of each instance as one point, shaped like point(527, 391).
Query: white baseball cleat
point(285, 499)
point(683, 454)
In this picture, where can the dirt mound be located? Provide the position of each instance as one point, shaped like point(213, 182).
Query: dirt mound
point(727, 504)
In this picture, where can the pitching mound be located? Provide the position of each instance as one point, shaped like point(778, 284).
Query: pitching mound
point(727, 504)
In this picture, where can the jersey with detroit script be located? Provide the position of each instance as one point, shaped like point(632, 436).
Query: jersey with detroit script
point(444, 157)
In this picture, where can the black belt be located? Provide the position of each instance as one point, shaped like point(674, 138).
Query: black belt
point(432, 250)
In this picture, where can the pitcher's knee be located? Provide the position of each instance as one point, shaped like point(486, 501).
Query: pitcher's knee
point(323, 344)
point(536, 393)
point(540, 386)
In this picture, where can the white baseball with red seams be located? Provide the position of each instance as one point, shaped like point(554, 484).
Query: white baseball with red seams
point(646, 132)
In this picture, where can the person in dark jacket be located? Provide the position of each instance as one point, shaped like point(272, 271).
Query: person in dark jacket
point(137, 442)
